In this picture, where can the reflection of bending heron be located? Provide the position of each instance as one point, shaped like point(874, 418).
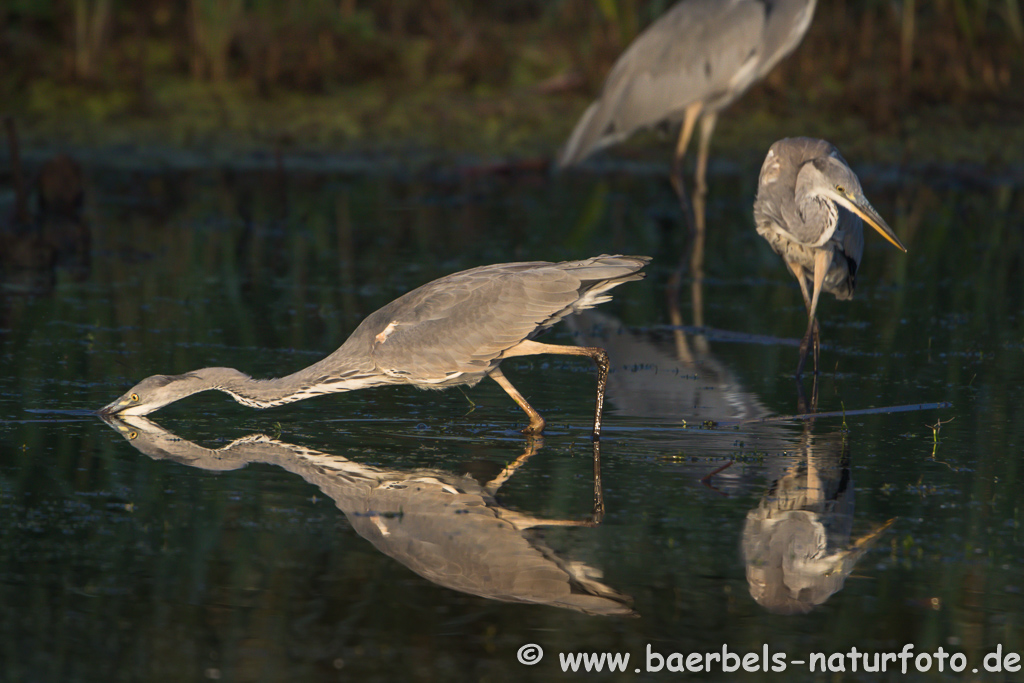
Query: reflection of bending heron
point(447, 528)
point(453, 331)
point(796, 543)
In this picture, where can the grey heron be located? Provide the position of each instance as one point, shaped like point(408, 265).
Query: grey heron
point(453, 331)
point(810, 208)
point(690, 64)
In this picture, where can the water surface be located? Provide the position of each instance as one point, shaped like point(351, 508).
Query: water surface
point(238, 549)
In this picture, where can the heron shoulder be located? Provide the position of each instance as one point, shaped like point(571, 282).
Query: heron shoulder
point(696, 49)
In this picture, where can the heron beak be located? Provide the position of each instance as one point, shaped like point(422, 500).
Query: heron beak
point(862, 208)
point(113, 408)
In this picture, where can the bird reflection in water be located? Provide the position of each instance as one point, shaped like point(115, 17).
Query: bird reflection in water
point(46, 228)
point(656, 376)
point(447, 528)
point(796, 544)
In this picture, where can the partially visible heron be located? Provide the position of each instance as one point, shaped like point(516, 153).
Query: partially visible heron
point(454, 330)
point(693, 62)
point(810, 208)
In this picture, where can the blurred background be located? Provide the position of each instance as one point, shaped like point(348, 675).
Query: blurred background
point(892, 80)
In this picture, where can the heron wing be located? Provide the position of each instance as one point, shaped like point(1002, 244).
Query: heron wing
point(788, 21)
point(848, 243)
point(458, 327)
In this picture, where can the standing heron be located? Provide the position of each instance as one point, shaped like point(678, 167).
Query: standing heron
point(810, 208)
point(452, 331)
point(693, 62)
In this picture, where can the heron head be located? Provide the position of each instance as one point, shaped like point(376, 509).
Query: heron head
point(829, 176)
point(152, 394)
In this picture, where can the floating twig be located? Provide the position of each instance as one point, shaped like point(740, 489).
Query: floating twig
point(840, 413)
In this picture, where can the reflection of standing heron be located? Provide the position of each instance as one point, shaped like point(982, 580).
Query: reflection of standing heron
point(452, 331)
point(809, 207)
point(797, 543)
point(691, 63)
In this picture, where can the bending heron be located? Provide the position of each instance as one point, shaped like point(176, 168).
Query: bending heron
point(452, 331)
point(810, 208)
point(690, 64)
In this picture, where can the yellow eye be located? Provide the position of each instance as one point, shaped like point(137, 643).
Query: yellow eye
point(840, 190)
point(134, 398)
point(132, 436)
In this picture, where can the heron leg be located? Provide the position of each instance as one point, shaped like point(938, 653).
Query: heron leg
point(700, 193)
point(522, 521)
point(598, 514)
point(803, 406)
point(536, 425)
point(532, 446)
point(814, 388)
point(801, 278)
point(690, 117)
point(675, 316)
point(532, 348)
point(822, 261)
point(816, 346)
point(694, 215)
point(707, 127)
point(805, 347)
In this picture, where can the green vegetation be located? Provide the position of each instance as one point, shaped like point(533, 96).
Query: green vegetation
point(490, 77)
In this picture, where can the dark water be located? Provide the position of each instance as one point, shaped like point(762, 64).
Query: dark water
point(341, 538)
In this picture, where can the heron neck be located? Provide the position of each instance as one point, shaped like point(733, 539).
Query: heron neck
point(341, 371)
point(819, 216)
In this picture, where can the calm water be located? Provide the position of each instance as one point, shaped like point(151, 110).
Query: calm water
point(375, 535)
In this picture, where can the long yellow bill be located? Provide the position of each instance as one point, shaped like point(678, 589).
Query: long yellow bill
point(871, 217)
